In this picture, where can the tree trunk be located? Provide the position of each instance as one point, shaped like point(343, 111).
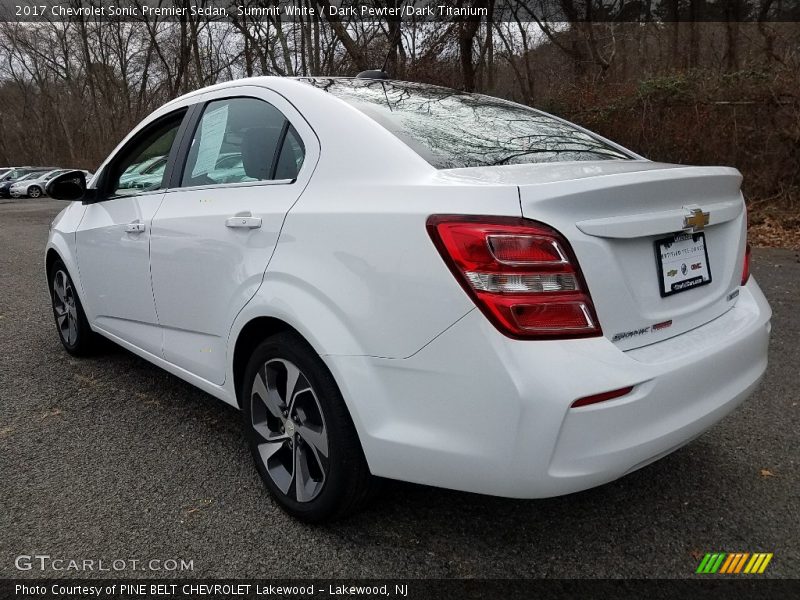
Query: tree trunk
point(466, 38)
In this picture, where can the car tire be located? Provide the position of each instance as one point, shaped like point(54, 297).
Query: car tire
point(34, 192)
point(291, 426)
point(73, 328)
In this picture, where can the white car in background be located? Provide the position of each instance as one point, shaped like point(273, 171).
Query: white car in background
point(417, 283)
point(33, 185)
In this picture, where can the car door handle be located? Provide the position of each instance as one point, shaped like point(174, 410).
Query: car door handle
point(135, 227)
point(243, 220)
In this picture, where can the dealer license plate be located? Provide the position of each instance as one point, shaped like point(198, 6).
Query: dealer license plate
point(682, 262)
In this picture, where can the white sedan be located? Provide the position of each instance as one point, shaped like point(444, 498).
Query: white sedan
point(417, 283)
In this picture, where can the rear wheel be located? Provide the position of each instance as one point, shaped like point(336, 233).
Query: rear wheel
point(34, 192)
point(300, 433)
point(73, 329)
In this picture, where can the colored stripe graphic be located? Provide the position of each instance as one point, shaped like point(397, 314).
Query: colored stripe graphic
point(711, 562)
point(741, 562)
point(754, 563)
point(718, 563)
point(734, 562)
point(703, 563)
point(765, 563)
point(758, 563)
point(731, 560)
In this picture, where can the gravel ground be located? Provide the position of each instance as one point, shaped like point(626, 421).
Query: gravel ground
point(111, 458)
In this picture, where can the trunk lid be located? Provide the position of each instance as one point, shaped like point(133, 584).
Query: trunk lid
point(613, 213)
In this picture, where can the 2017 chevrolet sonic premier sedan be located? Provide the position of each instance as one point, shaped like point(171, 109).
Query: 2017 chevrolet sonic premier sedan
point(399, 280)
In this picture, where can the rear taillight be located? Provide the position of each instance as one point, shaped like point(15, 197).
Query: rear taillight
point(746, 265)
point(522, 274)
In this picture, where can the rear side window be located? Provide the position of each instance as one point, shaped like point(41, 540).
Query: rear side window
point(291, 157)
point(239, 140)
point(452, 129)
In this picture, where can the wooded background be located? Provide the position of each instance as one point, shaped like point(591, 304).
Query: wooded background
point(724, 92)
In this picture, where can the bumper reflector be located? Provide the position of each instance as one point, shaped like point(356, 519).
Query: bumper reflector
point(587, 400)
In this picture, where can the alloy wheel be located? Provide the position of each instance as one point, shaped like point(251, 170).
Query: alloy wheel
point(65, 308)
point(34, 192)
point(292, 438)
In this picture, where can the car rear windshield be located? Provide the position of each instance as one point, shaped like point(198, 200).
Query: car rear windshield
point(452, 129)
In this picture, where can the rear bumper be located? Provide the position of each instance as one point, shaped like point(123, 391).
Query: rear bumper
point(479, 412)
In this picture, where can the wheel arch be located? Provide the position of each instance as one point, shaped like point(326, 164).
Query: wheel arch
point(58, 249)
point(255, 331)
point(259, 328)
point(286, 303)
point(50, 258)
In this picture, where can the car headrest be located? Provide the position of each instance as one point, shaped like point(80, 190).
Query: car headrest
point(258, 149)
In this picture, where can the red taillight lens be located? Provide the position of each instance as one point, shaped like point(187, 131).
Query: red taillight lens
point(588, 400)
point(746, 266)
point(521, 274)
point(519, 249)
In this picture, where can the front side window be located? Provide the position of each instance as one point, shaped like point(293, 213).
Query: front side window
point(141, 166)
point(452, 129)
point(239, 140)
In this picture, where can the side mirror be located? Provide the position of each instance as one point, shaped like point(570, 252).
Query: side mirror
point(70, 186)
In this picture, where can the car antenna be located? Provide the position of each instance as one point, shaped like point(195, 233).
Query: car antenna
point(377, 73)
point(372, 74)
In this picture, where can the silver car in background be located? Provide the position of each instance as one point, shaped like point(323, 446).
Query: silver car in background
point(33, 185)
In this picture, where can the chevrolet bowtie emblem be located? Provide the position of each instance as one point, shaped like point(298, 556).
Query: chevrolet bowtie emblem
point(696, 221)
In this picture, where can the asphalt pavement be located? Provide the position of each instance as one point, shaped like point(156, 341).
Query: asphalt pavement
point(112, 458)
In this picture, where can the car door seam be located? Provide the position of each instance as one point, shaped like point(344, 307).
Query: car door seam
point(150, 269)
point(280, 231)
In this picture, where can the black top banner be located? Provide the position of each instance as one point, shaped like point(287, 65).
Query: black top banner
point(403, 10)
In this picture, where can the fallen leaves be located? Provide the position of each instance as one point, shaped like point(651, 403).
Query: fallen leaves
point(767, 473)
point(51, 413)
point(775, 231)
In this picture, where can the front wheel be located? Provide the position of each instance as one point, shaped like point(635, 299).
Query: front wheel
point(73, 329)
point(34, 192)
point(300, 433)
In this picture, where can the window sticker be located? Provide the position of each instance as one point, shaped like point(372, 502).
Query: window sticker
point(212, 134)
